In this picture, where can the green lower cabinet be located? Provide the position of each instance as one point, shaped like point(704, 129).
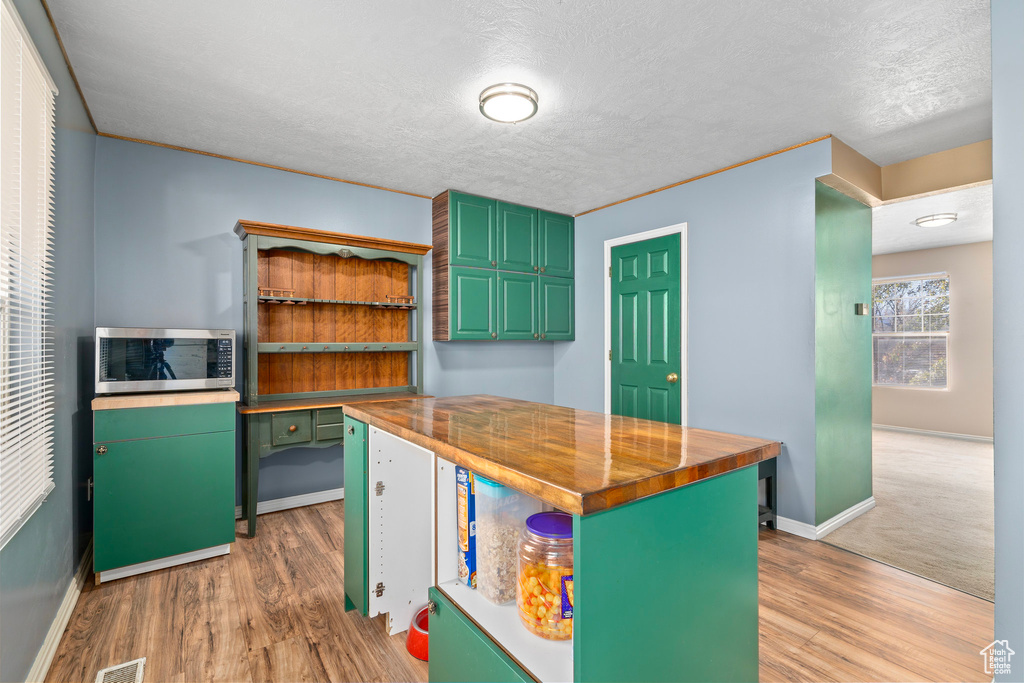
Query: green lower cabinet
point(460, 652)
point(517, 306)
point(163, 496)
point(557, 301)
point(474, 302)
point(357, 550)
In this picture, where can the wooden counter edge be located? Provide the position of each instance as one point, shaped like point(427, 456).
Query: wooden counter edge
point(574, 502)
point(160, 400)
point(336, 402)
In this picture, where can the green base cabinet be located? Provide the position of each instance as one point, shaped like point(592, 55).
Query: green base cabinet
point(164, 482)
point(501, 271)
point(461, 653)
point(357, 551)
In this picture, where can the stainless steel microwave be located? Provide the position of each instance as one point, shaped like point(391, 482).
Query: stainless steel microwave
point(136, 359)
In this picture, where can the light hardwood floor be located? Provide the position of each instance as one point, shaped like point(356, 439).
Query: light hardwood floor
point(273, 610)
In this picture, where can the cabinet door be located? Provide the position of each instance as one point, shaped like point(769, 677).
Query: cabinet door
point(473, 224)
point(556, 244)
point(517, 306)
point(474, 304)
point(517, 238)
point(459, 651)
point(356, 550)
point(160, 497)
point(557, 309)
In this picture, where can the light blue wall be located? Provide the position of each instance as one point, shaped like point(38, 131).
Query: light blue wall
point(1008, 291)
point(166, 257)
point(751, 306)
point(38, 564)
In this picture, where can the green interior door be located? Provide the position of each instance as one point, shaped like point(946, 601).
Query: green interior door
point(517, 238)
point(646, 346)
point(474, 303)
point(474, 239)
point(517, 306)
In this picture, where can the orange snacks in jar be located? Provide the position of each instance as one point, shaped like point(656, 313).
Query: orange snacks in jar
point(544, 594)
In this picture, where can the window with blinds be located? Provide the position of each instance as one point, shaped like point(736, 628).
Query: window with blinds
point(26, 275)
point(910, 325)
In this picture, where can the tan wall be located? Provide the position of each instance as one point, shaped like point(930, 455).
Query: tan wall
point(965, 407)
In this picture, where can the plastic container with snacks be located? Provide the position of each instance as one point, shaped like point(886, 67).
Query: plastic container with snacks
point(545, 585)
point(500, 515)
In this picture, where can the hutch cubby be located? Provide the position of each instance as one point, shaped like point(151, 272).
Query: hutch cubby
point(330, 319)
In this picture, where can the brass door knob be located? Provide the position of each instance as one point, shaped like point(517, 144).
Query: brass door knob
point(292, 428)
point(672, 378)
point(100, 450)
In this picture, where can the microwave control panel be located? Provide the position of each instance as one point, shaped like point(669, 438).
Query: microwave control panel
point(224, 358)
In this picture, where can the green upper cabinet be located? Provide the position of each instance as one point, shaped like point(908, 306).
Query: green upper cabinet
point(517, 306)
point(474, 231)
point(517, 238)
point(474, 303)
point(556, 244)
point(557, 301)
point(501, 271)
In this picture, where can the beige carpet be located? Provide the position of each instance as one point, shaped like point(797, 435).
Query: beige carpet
point(934, 513)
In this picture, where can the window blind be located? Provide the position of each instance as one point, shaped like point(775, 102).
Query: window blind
point(27, 96)
point(910, 329)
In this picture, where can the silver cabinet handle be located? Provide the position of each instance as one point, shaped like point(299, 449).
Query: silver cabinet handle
point(351, 430)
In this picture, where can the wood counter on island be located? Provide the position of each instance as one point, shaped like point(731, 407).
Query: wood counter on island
point(664, 537)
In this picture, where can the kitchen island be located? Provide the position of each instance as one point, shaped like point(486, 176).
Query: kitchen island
point(664, 530)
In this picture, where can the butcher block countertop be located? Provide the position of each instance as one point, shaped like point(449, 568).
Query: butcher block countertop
point(579, 461)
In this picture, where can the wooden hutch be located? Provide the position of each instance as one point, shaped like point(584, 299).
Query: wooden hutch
point(330, 320)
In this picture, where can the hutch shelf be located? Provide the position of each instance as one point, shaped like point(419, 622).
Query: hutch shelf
point(330, 320)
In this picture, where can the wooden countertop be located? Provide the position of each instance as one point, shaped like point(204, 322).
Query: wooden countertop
point(317, 403)
point(164, 398)
point(579, 461)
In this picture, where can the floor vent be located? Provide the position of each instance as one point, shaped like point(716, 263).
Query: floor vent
point(129, 672)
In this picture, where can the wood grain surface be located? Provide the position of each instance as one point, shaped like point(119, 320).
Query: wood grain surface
point(244, 227)
point(329, 402)
point(273, 610)
point(317, 276)
point(164, 398)
point(576, 460)
point(439, 265)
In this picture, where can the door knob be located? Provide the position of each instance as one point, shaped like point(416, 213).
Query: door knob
point(672, 378)
point(100, 450)
point(292, 428)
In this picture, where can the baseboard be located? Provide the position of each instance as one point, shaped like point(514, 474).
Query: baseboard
point(41, 665)
point(928, 432)
point(815, 533)
point(278, 504)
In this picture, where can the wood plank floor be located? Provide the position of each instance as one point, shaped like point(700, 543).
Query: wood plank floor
point(273, 610)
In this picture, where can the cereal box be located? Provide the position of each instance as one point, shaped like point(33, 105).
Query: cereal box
point(466, 494)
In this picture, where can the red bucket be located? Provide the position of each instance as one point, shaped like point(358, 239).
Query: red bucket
point(416, 641)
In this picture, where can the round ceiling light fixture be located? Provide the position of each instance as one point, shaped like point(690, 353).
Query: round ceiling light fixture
point(936, 220)
point(508, 102)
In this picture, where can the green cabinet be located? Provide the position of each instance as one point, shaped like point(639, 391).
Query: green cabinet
point(556, 244)
point(495, 267)
point(163, 481)
point(474, 236)
point(459, 651)
point(356, 538)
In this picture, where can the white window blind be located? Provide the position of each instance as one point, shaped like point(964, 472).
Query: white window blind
point(910, 323)
point(26, 275)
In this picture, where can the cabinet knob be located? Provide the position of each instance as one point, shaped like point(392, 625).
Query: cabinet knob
point(494, 263)
point(536, 336)
point(351, 430)
point(432, 607)
point(101, 450)
point(542, 269)
point(543, 336)
point(292, 428)
point(535, 269)
point(494, 335)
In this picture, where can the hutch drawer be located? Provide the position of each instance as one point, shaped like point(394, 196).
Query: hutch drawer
point(291, 428)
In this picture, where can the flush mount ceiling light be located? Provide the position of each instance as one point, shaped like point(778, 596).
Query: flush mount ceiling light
point(936, 220)
point(508, 102)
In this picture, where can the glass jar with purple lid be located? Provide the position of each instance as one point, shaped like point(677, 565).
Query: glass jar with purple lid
point(545, 591)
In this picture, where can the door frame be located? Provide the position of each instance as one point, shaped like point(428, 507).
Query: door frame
point(681, 229)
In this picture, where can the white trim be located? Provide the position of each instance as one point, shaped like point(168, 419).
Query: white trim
point(816, 533)
point(29, 44)
point(681, 229)
point(162, 563)
point(928, 432)
point(278, 504)
point(41, 665)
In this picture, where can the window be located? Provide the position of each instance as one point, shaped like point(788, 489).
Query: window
point(26, 276)
point(910, 322)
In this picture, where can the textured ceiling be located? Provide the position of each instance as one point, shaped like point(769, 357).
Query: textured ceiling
point(893, 228)
point(633, 96)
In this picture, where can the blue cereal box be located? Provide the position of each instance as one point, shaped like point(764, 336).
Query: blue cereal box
point(466, 492)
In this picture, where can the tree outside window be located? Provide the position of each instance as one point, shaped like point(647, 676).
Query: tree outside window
point(910, 324)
